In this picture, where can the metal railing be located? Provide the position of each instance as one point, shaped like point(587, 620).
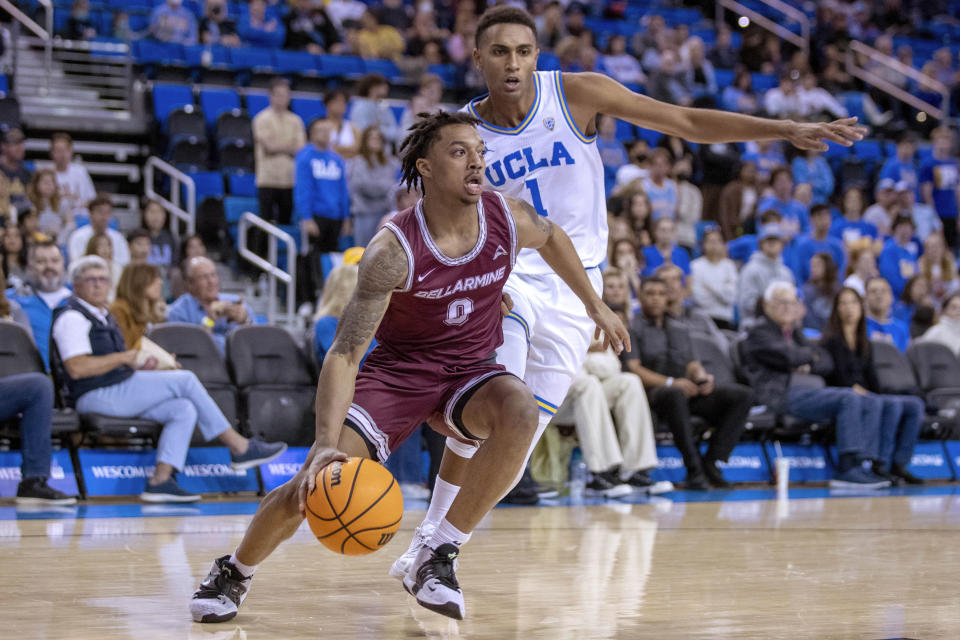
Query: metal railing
point(187, 213)
point(790, 14)
point(858, 52)
point(270, 265)
point(44, 33)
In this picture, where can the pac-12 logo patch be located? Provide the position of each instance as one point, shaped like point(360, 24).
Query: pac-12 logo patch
point(548, 123)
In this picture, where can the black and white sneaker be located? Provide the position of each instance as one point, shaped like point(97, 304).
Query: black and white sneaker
point(36, 492)
point(432, 580)
point(220, 594)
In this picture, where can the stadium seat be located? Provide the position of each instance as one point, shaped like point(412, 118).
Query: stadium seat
point(197, 352)
point(189, 155)
point(763, 82)
point(217, 101)
point(895, 376)
point(251, 59)
point(186, 122)
point(277, 384)
point(386, 68)
point(208, 184)
point(236, 206)
point(721, 366)
point(652, 137)
point(233, 126)
point(626, 132)
point(242, 184)
point(447, 72)
point(308, 109)
point(547, 61)
point(938, 373)
point(212, 225)
point(169, 97)
point(236, 157)
point(256, 102)
point(148, 51)
point(340, 66)
point(10, 111)
point(295, 62)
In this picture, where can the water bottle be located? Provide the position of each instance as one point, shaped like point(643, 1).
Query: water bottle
point(578, 476)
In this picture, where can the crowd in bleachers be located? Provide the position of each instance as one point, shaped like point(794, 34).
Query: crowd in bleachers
point(755, 239)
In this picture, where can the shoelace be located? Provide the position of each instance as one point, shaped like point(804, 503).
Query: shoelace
point(224, 584)
point(440, 566)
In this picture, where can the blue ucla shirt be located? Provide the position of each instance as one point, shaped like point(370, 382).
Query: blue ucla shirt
point(944, 176)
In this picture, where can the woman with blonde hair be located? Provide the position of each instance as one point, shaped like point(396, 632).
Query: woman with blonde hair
point(139, 302)
point(337, 291)
point(938, 267)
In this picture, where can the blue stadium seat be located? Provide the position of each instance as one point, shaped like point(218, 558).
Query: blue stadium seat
point(242, 184)
point(148, 51)
point(209, 183)
point(386, 68)
point(219, 56)
point(308, 109)
point(346, 66)
point(548, 62)
point(169, 97)
point(235, 206)
point(652, 137)
point(217, 101)
point(257, 102)
point(724, 78)
point(447, 73)
point(625, 131)
point(764, 81)
point(853, 101)
point(298, 62)
point(836, 150)
point(869, 150)
point(251, 59)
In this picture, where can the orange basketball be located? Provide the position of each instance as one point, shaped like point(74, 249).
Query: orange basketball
point(356, 507)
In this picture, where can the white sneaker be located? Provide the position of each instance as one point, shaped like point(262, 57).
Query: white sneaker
point(661, 486)
point(413, 491)
point(220, 594)
point(432, 580)
point(402, 564)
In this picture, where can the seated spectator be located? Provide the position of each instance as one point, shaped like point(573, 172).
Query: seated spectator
point(915, 306)
point(861, 268)
point(395, 14)
point(80, 25)
point(618, 289)
point(774, 351)
point(551, 28)
point(203, 304)
point(668, 83)
point(764, 268)
point(638, 153)
point(816, 241)
point(881, 325)
point(52, 219)
point(163, 250)
point(898, 260)
point(664, 249)
point(947, 329)
point(816, 102)
point(713, 281)
point(699, 70)
point(461, 43)
point(423, 32)
point(620, 65)
point(819, 291)
point(682, 312)
point(73, 179)
point(278, 135)
point(767, 155)
point(939, 177)
point(689, 209)
point(99, 245)
point(258, 29)
point(612, 152)
point(881, 213)
point(346, 138)
point(678, 387)
point(43, 292)
point(738, 201)
point(850, 227)
point(658, 185)
point(372, 177)
point(140, 245)
point(637, 211)
point(722, 54)
point(171, 22)
point(101, 213)
point(13, 171)
point(901, 416)
point(625, 264)
point(216, 27)
point(740, 96)
point(783, 101)
point(309, 28)
point(321, 201)
point(378, 40)
point(14, 257)
point(369, 108)
point(902, 167)
point(924, 217)
point(426, 100)
point(29, 396)
point(795, 216)
point(104, 377)
point(139, 302)
point(337, 291)
point(812, 168)
point(939, 267)
point(190, 247)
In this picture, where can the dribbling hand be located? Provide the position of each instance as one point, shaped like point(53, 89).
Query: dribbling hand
point(317, 459)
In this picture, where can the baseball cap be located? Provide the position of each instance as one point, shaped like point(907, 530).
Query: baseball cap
point(902, 186)
point(886, 183)
point(772, 230)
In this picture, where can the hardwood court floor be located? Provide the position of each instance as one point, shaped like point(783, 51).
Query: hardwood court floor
point(880, 567)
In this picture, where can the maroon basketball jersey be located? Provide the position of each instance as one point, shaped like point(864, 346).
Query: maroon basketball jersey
point(448, 311)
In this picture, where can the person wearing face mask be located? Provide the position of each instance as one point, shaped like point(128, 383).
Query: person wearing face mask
point(170, 22)
point(79, 24)
point(217, 27)
point(947, 329)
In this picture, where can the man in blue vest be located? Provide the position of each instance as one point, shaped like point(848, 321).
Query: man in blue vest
point(102, 376)
point(43, 292)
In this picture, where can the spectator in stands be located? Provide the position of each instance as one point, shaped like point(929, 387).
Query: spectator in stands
point(812, 168)
point(638, 153)
point(370, 109)
point(901, 416)
point(851, 228)
point(620, 65)
point(379, 41)
point(52, 219)
point(939, 181)
point(742, 247)
point(460, 44)
point(678, 387)
point(795, 216)
point(664, 249)
point(699, 70)
point(861, 267)
point(79, 25)
point(163, 251)
point(216, 26)
point(816, 102)
point(76, 187)
point(740, 95)
point(738, 201)
point(426, 100)
point(898, 260)
point(659, 187)
point(783, 101)
point(43, 292)
point(100, 245)
point(612, 152)
point(29, 397)
point(621, 280)
point(395, 14)
point(310, 28)
point(14, 257)
point(881, 213)
point(372, 178)
point(258, 29)
point(343, 11)
point(764, 267)
point(713, 281)
point(140, 245)
point(939, 267)
point(320, 195)
point(423, 32)
point(337, 291)
point(345, 138)
point(947, 329)
point(924, 216)
point(774, 351)
point(915, 306)
point(681, 311)
point(767, 156)
point(637, 211)
point(139, 302)
point(190, 247)
point(101, 213)
point(689, 209)
point(278, 135)
point(13, 172)
point(943, 63)
point(816, 241)
point(669, 83)
point(881, 325)
point(171, 22)
point(903, 167)
point(722, 54)
point(205, 305)
point(819, 290)
point(10, 310)
point(104, 377)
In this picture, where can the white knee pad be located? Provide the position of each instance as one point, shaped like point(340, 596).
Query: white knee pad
point(462, 449)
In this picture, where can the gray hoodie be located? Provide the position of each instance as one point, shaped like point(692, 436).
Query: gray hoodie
point(755, 277)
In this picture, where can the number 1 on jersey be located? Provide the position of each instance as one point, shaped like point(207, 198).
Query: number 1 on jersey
point(535, 196)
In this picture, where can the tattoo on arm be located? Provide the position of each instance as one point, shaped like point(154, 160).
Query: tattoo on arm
point(382, 269)
point(533, 229)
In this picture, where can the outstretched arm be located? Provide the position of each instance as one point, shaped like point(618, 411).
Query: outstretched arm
point(537, 232)
point(591, 93)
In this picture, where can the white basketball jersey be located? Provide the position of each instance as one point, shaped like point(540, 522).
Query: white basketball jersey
point(550, 164)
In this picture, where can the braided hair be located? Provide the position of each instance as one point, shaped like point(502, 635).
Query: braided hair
point(422, 136)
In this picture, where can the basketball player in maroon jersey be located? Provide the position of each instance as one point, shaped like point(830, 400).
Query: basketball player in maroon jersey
point(430, 287)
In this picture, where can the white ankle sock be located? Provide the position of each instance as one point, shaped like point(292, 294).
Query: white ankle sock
point(446, 532)
point(444, 494)
point(246, 569)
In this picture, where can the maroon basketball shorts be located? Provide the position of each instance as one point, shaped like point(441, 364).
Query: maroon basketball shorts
point(394, 397)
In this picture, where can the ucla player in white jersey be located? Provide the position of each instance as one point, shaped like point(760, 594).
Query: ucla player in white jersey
point(539, 129)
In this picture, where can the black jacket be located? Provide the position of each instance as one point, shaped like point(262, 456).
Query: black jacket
point(850, 368)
